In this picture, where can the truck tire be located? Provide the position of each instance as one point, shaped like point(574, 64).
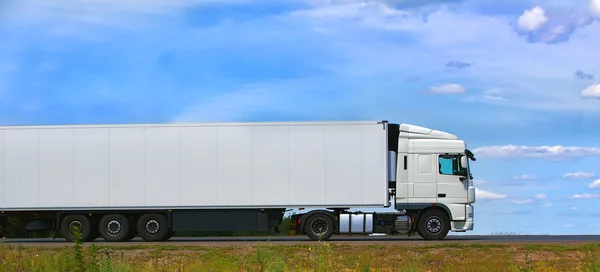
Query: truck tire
point(319, 227)
point(433, 225)
point(114, 228)
point(153, 227)
point(76, 222)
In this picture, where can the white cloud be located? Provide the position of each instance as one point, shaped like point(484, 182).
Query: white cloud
point(574, 208)
point(594, 8)
point(540, 196)
point(479, 182)
point(233, 106)
point(568, 225)
point(101, 20)
point(525, 177)
point(547, 204)
point(242, 104)
point(522, 201)
point(494, 94)
point(532, 19)
point(447, 89)
point(541, 152)
point(511, 211)
point(447, 31)
point(452, 33)
point(554, 23)
point(491, 96)
point(593, 91)
point(271, 99)
point(595, 184)
point(585, 196)
point(102, 11)
point(481, 194)
point(370, 12)
point(578, 175)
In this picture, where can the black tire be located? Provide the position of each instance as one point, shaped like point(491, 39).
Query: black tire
point(433, 225)
point(79, 223)
point(114, 228)
point(153, 227)
point(319, 227)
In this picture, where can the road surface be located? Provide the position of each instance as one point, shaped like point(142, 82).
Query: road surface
point(356, 240)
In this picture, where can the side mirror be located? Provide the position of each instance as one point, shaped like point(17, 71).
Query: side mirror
point(463, 162)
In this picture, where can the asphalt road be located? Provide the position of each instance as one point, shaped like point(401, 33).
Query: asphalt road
point(358, 240)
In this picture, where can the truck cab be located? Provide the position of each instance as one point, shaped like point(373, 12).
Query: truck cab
point(433, 178)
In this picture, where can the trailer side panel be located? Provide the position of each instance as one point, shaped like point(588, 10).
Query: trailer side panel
point(194, 166)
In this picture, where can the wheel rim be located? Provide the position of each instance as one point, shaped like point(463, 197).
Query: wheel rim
point(434, 224)
point(319, 226)
point(152, 226)
point(113, 227)
point(75, 226)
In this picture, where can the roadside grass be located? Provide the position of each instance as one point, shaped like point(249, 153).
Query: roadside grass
point(311, 256)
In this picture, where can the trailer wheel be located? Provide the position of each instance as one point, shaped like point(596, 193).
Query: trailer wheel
point(319, 227)
point(153, 227)
point(114, 228)
point(433, 225)
point(73, 223)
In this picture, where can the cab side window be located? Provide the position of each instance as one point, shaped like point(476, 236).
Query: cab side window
point(449, 165)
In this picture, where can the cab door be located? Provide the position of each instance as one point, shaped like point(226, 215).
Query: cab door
point(423, 178)
point(450, 185)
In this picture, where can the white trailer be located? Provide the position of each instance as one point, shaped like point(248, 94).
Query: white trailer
point(121, 181)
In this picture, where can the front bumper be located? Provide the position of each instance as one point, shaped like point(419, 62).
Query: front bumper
point(462, 226)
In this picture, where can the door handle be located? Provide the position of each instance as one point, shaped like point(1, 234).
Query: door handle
point(441, 195)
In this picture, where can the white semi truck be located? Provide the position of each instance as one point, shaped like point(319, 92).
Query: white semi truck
point(151, 180)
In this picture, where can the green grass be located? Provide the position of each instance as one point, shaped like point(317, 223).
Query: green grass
point(323, 256)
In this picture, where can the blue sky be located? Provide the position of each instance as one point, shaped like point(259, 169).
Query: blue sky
point(517, 79)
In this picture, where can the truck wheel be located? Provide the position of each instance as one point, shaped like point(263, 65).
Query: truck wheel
point(433, 225)
point(319, 227)
point(153, 227)
point(74, 223)
point(114, 228)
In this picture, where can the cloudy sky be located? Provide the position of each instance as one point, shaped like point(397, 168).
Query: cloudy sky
point(517, 79)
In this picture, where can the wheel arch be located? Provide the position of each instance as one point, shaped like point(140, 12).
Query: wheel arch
point(439, 207)
point(416, 209)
